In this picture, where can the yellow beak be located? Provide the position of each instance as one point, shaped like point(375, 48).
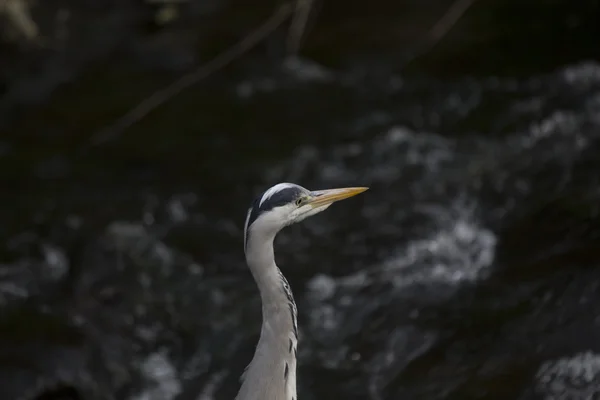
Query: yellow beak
point(323, 197)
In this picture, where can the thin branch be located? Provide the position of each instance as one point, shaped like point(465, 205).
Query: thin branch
point(297, 30)
point(19, 15)
point(217, 63)
point(298, 26)
point(441, 28)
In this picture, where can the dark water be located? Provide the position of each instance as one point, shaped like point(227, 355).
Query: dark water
point(470, 270)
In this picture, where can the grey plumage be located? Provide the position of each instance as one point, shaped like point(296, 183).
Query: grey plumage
point(271, 375)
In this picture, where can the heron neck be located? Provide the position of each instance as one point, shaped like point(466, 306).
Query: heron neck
point(278, 306)
point(272, 372)
point(260, 257)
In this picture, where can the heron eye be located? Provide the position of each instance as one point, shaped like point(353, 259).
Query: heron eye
point(299, 201)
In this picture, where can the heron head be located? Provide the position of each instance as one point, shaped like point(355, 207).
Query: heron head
point(287, 203)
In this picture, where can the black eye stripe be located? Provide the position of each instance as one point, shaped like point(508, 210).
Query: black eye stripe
point(283, 197)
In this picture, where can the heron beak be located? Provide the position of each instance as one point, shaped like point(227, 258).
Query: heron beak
point(324, 197)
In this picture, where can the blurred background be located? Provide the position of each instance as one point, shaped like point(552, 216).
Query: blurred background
point(470, 270)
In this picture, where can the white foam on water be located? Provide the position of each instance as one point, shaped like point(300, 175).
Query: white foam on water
point(321, 287)
point(56, 261)
point(178, 207)
point(569, 127)
point(386, 157)
point(462, 250)
point(10, 291)
point(560, 123)
point(299, 69)
point(160, 376)
point(585, 73)
point(135, 240)
point(570, 378)
point(306, 70)
point(413, 148)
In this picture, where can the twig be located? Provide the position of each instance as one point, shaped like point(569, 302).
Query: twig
point(441, 28)
point(220, 61)
point(298, 26)
point(19, 16)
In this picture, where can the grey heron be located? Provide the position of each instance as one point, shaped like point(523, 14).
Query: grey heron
point(271, 375)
